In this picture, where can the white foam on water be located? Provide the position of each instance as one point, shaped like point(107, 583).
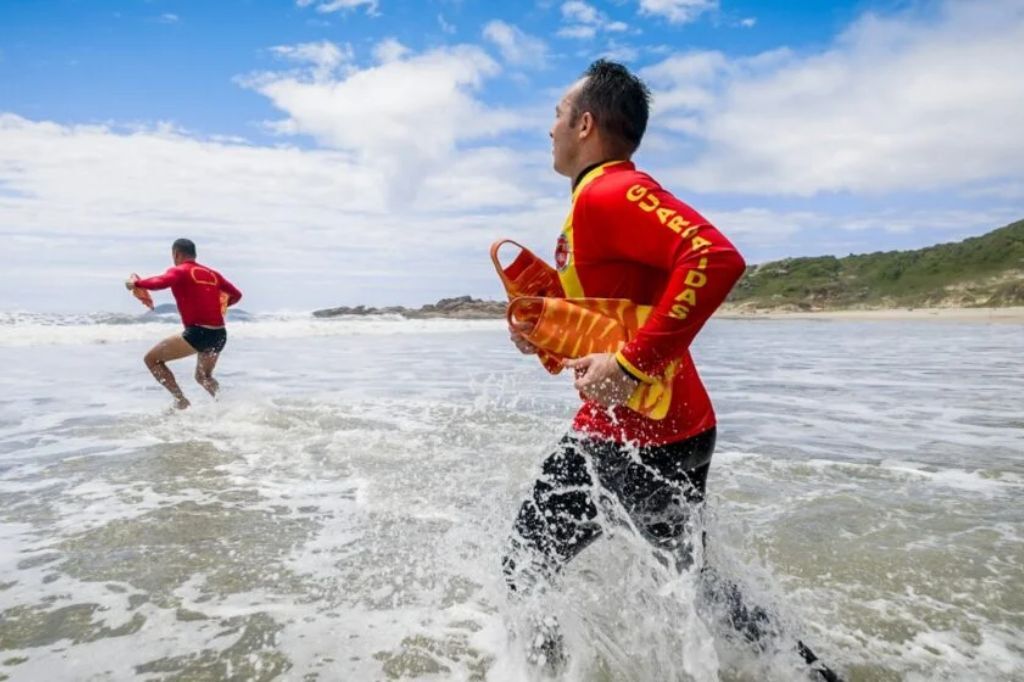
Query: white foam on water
point(984, 481)
point(29, 331)
point(341, 511)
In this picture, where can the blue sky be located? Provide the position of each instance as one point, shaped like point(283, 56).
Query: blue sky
point(367, 151)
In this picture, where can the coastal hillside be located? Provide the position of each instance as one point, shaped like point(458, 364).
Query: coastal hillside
point(985, 271)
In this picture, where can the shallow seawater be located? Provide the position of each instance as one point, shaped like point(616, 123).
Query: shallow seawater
point(340, 512)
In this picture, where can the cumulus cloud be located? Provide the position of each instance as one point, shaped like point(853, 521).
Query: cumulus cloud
point(389, 50)
point(763, 234)
point(101, 201)
point(405, 116)
point(687, 82)
point(580, 12)
point(517, 48)
point(678, 11)
point(584, 21)
point(579, 31)
point(413, 176)
point(620, 52)
point(324, 57)
point(907, 102)
point(330, 6)
point(416, 173)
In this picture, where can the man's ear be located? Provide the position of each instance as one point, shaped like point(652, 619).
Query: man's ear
point(586, 125)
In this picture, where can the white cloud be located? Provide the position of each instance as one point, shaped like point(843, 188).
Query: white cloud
point(900, 103)
point(445, 26)
point(948, 221)
point(764, 234)
point(406, 115)
point(273, 217)
point(685, 82)
point(620, 52)
point(389, 50)
point(577, 31)
point(325, 57)
point(748, 22)
point(517, 48)
point(763, 226)
point(583, 21)
point(329, 6)
point(580, 12)
point(1011, 189)
point(678, 69)
point(678, 11)
point(399, 207)
point(168, 18)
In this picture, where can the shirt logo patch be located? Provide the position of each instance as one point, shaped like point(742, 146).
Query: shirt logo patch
point(562, 253)
point(203, 276)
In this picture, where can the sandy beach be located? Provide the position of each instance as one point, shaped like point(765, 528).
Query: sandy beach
point(1012, 315)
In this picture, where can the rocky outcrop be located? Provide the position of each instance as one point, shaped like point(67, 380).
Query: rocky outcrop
point(459, 308)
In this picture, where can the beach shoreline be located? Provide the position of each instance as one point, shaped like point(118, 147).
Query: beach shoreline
point(1009, 315)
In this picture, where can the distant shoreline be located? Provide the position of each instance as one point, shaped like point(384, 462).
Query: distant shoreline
point(1009, 315)
point(467, 308)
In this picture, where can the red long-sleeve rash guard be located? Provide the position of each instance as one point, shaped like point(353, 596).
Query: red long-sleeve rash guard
point(626, 237)
point(196, 290)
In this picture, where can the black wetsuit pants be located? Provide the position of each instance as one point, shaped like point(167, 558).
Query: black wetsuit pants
point(659, 487)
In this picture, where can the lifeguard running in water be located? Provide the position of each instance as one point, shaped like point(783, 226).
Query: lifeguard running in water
point(631, 243)
point(202, 295)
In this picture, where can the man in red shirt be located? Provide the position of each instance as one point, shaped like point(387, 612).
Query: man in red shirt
point(627, 237)
point(202, 295)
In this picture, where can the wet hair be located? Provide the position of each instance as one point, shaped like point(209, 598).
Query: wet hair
point(185, 247)
point(619, 102)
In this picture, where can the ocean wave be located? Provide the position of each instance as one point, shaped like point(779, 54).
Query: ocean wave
point(19, 318)
point(162, 314)
point(33, 329)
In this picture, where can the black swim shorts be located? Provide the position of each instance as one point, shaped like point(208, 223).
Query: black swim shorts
point(205, 339)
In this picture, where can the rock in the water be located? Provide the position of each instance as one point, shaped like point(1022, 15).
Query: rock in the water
point(459, 308)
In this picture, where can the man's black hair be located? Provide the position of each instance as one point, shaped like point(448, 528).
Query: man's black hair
point(185, 247)
point(617, 99)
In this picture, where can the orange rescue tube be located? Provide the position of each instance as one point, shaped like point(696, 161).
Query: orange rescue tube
point(528, 275)
point(142, 295)
point(563, 328)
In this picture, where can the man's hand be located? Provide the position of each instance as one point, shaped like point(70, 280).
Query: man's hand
point(599, 378)
point(516, 331)
point(129, 283)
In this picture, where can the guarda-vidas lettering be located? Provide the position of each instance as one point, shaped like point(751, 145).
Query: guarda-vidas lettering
point(695, 279)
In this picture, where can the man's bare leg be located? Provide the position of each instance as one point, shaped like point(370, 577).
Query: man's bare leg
point(171, 348)
point(205, 363)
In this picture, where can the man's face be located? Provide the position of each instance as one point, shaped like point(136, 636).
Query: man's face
point(176, 257)
point(565, 138)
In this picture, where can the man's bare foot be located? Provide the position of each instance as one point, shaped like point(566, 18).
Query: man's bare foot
point(182, 404)
point(211, 385)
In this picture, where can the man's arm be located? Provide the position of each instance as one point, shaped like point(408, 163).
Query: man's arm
point(648, 225)
point(234, 295)
point(160, 281)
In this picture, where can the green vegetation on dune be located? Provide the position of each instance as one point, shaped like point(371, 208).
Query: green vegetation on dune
point(980, 271)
